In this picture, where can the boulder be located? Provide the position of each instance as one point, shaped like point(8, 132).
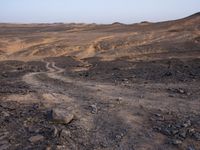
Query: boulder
point(62, 116)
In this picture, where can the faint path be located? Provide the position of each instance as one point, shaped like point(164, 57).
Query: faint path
point(49, 68)
point(137, 95)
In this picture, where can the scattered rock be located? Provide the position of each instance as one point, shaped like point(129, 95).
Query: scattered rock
point(119, 100)
point(125, 80)
point(191, 131)
point(94, 109)
point(183, 134)
point(174, 132)
point(48, 148)
point(197, 136)
point(5, 114)
point(158, 115)
point(119, 136)
point(115, 68)
point(191, 148)
point(166, 131)
point(55, 131)
point(168, 74)
point(178, 90)
point(37, 138)
point(65, 133)
point(62, 116)
point(177, 130)
point(187, 123)
point(176, 142)
point(181, 91)
point(61, 147)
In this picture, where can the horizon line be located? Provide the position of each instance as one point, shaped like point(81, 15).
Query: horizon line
point(91, 23)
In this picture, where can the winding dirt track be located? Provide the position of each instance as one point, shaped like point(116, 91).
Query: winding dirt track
point(103, 90)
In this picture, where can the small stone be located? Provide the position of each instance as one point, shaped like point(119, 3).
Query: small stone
point(5, 114)
point(187, 124)
point(174, 132)
point(94, 109)
point(176, 142)
point(125, 80)
point(62, 116)
point(191, 131)
point(166, 131)
point(197, 136)
point(168, 73)
point(119, 100)
point(37, 138)
point(65, 133)
point(61, 147)
point(48, 148)
point(181, 91)
point(119, 136)
point(191, 148)
point(55, 131)
point(183, 134)
point(158, 115)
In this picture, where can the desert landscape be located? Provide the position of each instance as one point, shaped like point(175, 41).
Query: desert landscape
point(100, 87)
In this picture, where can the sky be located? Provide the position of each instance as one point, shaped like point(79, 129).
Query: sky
point(95, 11)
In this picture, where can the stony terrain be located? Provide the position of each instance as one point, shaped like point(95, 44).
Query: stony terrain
point(103, 87)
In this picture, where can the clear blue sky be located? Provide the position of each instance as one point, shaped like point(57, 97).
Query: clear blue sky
point(97, 11)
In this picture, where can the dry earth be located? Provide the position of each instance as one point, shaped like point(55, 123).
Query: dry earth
point(103, 87)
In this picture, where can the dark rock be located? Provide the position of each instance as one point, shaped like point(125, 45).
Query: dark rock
point(168, 74)
point(174, 132)
point(166, 131)
point(197, 136)
point(179, 91)
point(65, 133)
point(119, 100)
point(191, 148)
point(94, 109)
point(183, 134)
point(191, 131)
point(176, 142)
point(115, 68)
point(158, 115)
point(5, 114)
point(187, 123)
